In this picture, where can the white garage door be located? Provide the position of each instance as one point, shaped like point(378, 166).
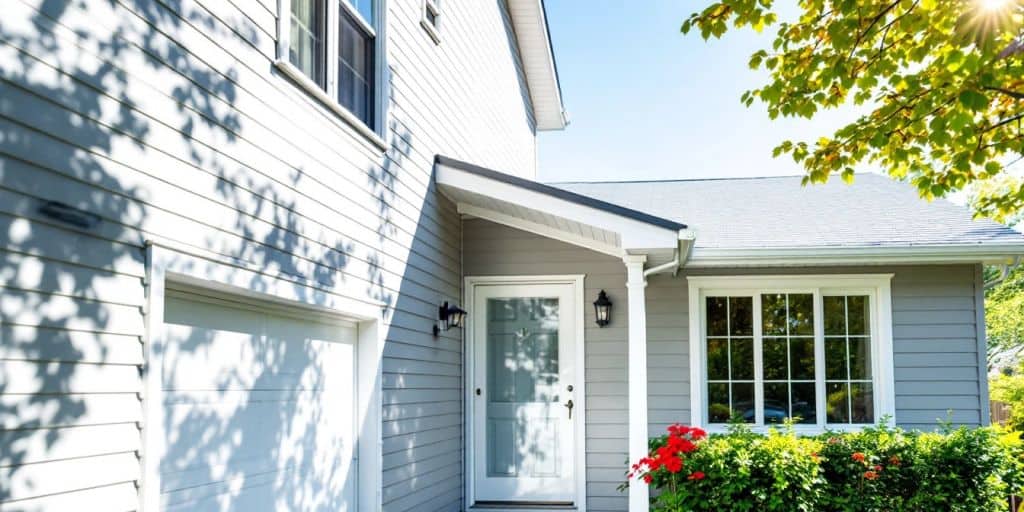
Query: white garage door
point(258, 407)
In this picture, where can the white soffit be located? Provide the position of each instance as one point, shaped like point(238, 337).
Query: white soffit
point(555, 213)
point(530, 23)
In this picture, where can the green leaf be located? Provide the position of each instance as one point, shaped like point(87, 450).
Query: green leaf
point(918, 72)
point(973, 100)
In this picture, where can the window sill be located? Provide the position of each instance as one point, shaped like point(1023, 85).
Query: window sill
point(805, 430)
point(351, 122)
point(431, 31)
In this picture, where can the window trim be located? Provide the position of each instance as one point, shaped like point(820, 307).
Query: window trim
point(326, 96)
point(433, 30)
point(877, 286)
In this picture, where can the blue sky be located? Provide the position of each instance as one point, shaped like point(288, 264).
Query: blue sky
point(646, 102)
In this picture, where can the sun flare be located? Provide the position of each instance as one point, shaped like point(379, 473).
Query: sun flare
point(994, 5)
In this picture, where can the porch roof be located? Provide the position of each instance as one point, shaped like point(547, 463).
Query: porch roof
point(560, 214)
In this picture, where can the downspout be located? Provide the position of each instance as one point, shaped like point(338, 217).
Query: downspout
point(1004, 272)
point(682, 253)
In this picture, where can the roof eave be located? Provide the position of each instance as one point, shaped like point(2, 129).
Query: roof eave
point(556, 213)
point(529, 20)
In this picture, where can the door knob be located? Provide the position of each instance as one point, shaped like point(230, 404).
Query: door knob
point(569, 405)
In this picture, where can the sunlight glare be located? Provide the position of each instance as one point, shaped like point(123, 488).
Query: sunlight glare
point(993, 5)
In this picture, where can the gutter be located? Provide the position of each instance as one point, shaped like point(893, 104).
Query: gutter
point(682, 253)
point(997, 254)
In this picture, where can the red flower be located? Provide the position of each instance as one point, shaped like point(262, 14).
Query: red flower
point(878, 468)
point(894, 461)
point(664, 451)
point(670, 456)
point(871, 475)
point(678, 444)
point(858, 457)
point(674, 464)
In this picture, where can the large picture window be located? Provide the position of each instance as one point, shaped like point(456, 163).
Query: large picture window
point(772, 349)
point(330, 47)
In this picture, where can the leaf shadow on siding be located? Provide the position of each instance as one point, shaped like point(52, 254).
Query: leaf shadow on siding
point(422, 380)
point(103, 109)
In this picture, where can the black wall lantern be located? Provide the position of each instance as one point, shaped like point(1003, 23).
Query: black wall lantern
point(449, 316)
point(603, 309)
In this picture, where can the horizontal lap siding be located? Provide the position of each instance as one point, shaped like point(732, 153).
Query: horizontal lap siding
point(168, 121)
point(934, 330)
point(493, 249)
point(935, 344)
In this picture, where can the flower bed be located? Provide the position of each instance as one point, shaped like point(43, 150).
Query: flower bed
point(876, 469)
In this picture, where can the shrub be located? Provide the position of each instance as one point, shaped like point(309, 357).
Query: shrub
point(876, 469)
point(1009, 389)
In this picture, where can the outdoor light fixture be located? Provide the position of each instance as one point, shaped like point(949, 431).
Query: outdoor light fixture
point(449, 316)
point(603, 309)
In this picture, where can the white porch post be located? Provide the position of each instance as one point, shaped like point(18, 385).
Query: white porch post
point(637, 376)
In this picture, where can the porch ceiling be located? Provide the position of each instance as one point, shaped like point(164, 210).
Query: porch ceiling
point(559, 214)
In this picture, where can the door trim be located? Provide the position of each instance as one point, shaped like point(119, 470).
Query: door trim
point(580, 452)
point(170, 265)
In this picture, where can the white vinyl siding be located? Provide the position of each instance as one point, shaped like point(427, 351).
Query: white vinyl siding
point(133, 110)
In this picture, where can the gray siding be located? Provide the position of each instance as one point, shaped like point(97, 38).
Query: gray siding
point(168, 120)
point(935, 311)
point(492, 249)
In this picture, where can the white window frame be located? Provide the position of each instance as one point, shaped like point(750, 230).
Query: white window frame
point(327, 95)
point(877, 286)
point(433, 30)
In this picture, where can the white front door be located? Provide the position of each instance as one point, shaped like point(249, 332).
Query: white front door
point(523, 408)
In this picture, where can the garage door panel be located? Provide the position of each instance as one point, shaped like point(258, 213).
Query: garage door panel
point(199, 359)
point(194, 311)
point(248, 467)
point(258, 408)
point(257, 492)
point(217, 436)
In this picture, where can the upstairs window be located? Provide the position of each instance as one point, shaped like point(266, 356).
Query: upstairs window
point(431, 21)
point(332, 48)
point(308, 39)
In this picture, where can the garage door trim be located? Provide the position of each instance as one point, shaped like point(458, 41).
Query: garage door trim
point(171, 267)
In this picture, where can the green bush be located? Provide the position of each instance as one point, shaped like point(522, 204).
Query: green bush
point(875, 469)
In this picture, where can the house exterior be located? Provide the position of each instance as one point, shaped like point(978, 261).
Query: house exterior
point(237, 237)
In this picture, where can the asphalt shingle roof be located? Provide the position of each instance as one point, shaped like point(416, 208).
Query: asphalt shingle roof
point(777, 212)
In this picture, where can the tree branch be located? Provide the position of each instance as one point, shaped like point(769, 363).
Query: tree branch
point(1003, 122)
point(1011, 93)
point(874, 21)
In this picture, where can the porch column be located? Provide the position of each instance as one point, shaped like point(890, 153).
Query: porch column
point(637, 376)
